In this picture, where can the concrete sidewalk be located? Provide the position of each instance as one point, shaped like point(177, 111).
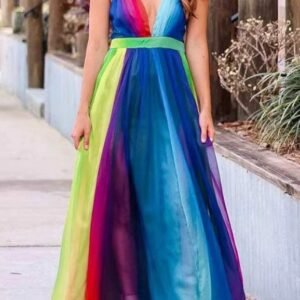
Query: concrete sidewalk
point(36, 167)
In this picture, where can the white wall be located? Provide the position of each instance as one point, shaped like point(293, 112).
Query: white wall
point(266, 224)
point(13, 65)
point(62, 87)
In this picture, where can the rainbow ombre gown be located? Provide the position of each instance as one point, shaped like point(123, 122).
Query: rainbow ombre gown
point(147, 218)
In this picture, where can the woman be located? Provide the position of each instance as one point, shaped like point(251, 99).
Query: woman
point(146, 218)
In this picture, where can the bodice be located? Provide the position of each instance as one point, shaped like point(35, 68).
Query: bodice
point(129, 19)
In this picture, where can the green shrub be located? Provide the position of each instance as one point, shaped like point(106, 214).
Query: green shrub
point(278, 119)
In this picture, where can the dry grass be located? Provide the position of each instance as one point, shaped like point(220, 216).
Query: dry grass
point(246, 129)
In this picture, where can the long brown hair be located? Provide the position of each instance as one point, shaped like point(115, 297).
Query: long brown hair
point(189, 7)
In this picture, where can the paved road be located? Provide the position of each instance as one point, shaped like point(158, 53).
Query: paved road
point(36, 166)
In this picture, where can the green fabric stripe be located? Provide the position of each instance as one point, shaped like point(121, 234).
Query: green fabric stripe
point(189, 77)
point(148, 42)
point(71, 276)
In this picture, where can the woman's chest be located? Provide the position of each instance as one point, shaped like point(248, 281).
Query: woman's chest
point(149, 18)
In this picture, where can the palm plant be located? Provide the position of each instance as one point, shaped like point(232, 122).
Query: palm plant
point(278, 118)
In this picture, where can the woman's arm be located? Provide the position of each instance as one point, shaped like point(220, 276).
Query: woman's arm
point(198, 58)
point(96, 50)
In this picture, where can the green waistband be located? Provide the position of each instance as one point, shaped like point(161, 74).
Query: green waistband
point(147, 42)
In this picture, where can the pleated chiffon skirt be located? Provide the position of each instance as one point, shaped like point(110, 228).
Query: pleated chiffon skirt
point(147, 218)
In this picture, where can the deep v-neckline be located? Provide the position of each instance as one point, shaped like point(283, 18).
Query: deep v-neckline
point(145, 13)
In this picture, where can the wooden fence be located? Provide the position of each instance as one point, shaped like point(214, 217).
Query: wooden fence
point(293, 12)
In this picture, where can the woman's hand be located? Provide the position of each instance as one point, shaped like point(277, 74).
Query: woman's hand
point(96, 50)
point(198, 54)
point(207, 126)
point(82, 129)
